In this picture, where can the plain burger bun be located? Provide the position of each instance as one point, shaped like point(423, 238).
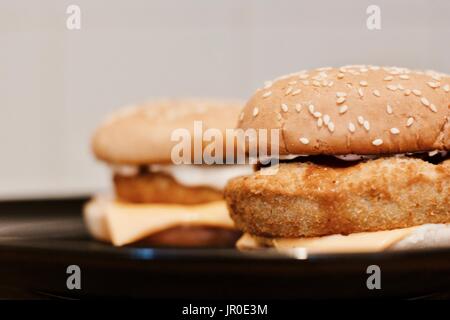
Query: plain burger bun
point(354, 110)
point(141, 134)
point(309, 200)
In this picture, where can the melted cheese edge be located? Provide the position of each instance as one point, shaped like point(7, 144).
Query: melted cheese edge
point(123, 223)
point(355, 242)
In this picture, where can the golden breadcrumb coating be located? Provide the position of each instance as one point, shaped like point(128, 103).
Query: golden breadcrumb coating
point(308, 200)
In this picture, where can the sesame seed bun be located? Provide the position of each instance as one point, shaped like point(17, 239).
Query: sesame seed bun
point(354, 110)
point(141, 134)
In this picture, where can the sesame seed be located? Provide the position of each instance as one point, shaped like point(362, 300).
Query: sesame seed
point(311, 108)
point(404, 77)
point(279, 116)
point(376, 93)
point(255, 111)
point(446, 88)
point(341, 94)
point(326, 119)
point(363, 83)
point(267, 84)
point(340, 75)
point(330, 84)
point(317, 114)
point(351, 127)
point(409, 122)
point(433, 108)
point(407, 92)
point(288, 90)
point(303, 76)
point(360, 120)
point(361, 92)
point(241, 116)
point(400, 87)
point(298, 107)
point(267, 94)
point(297, 91)
point(320, 122)
point(366, 125)
point(417, 92)
point(331, 126)
point(388, 78)
point(389, 109)
point(377, 142)
point(316, 83)
point(425, 101)
point(433, 153)
point(391, 87)
point(434, 85)
point(343, 109)
point(284, 107)
point(292, 82)
point(340, 100)
point(395, 131)
point(304, 140)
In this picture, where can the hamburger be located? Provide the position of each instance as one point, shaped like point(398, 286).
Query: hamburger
point(157, 202)
point(363, 162)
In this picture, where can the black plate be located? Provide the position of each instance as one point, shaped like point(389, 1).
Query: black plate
point(40, 239)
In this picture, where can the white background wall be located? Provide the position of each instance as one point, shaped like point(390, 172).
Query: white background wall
point(56, 84)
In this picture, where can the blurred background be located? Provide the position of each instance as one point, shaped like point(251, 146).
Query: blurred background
point(56, 84)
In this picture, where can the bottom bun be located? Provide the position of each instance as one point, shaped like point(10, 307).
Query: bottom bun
point(206, 225)
point(192, 237)
point(420, 237)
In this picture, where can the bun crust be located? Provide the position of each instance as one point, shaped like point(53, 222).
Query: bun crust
point(307, 200)
point(142, 134)
point(354, 110)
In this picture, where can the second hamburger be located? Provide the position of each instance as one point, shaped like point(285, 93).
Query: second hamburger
point(157, 202)
point(364, 161)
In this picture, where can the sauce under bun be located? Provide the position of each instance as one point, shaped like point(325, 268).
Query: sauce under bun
point(354, 110)
point(142, 134)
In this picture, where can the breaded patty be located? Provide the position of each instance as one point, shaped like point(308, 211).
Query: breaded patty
point(307, 200)
point(157, 187)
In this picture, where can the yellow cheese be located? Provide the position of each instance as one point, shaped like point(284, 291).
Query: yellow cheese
point(128, 223)
point(355, 242)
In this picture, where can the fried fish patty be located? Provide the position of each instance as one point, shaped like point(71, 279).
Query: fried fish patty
point(308, 200)
point(158, 187)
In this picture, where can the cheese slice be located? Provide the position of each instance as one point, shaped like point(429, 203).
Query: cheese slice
point(123, 223)
point(355, 242)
